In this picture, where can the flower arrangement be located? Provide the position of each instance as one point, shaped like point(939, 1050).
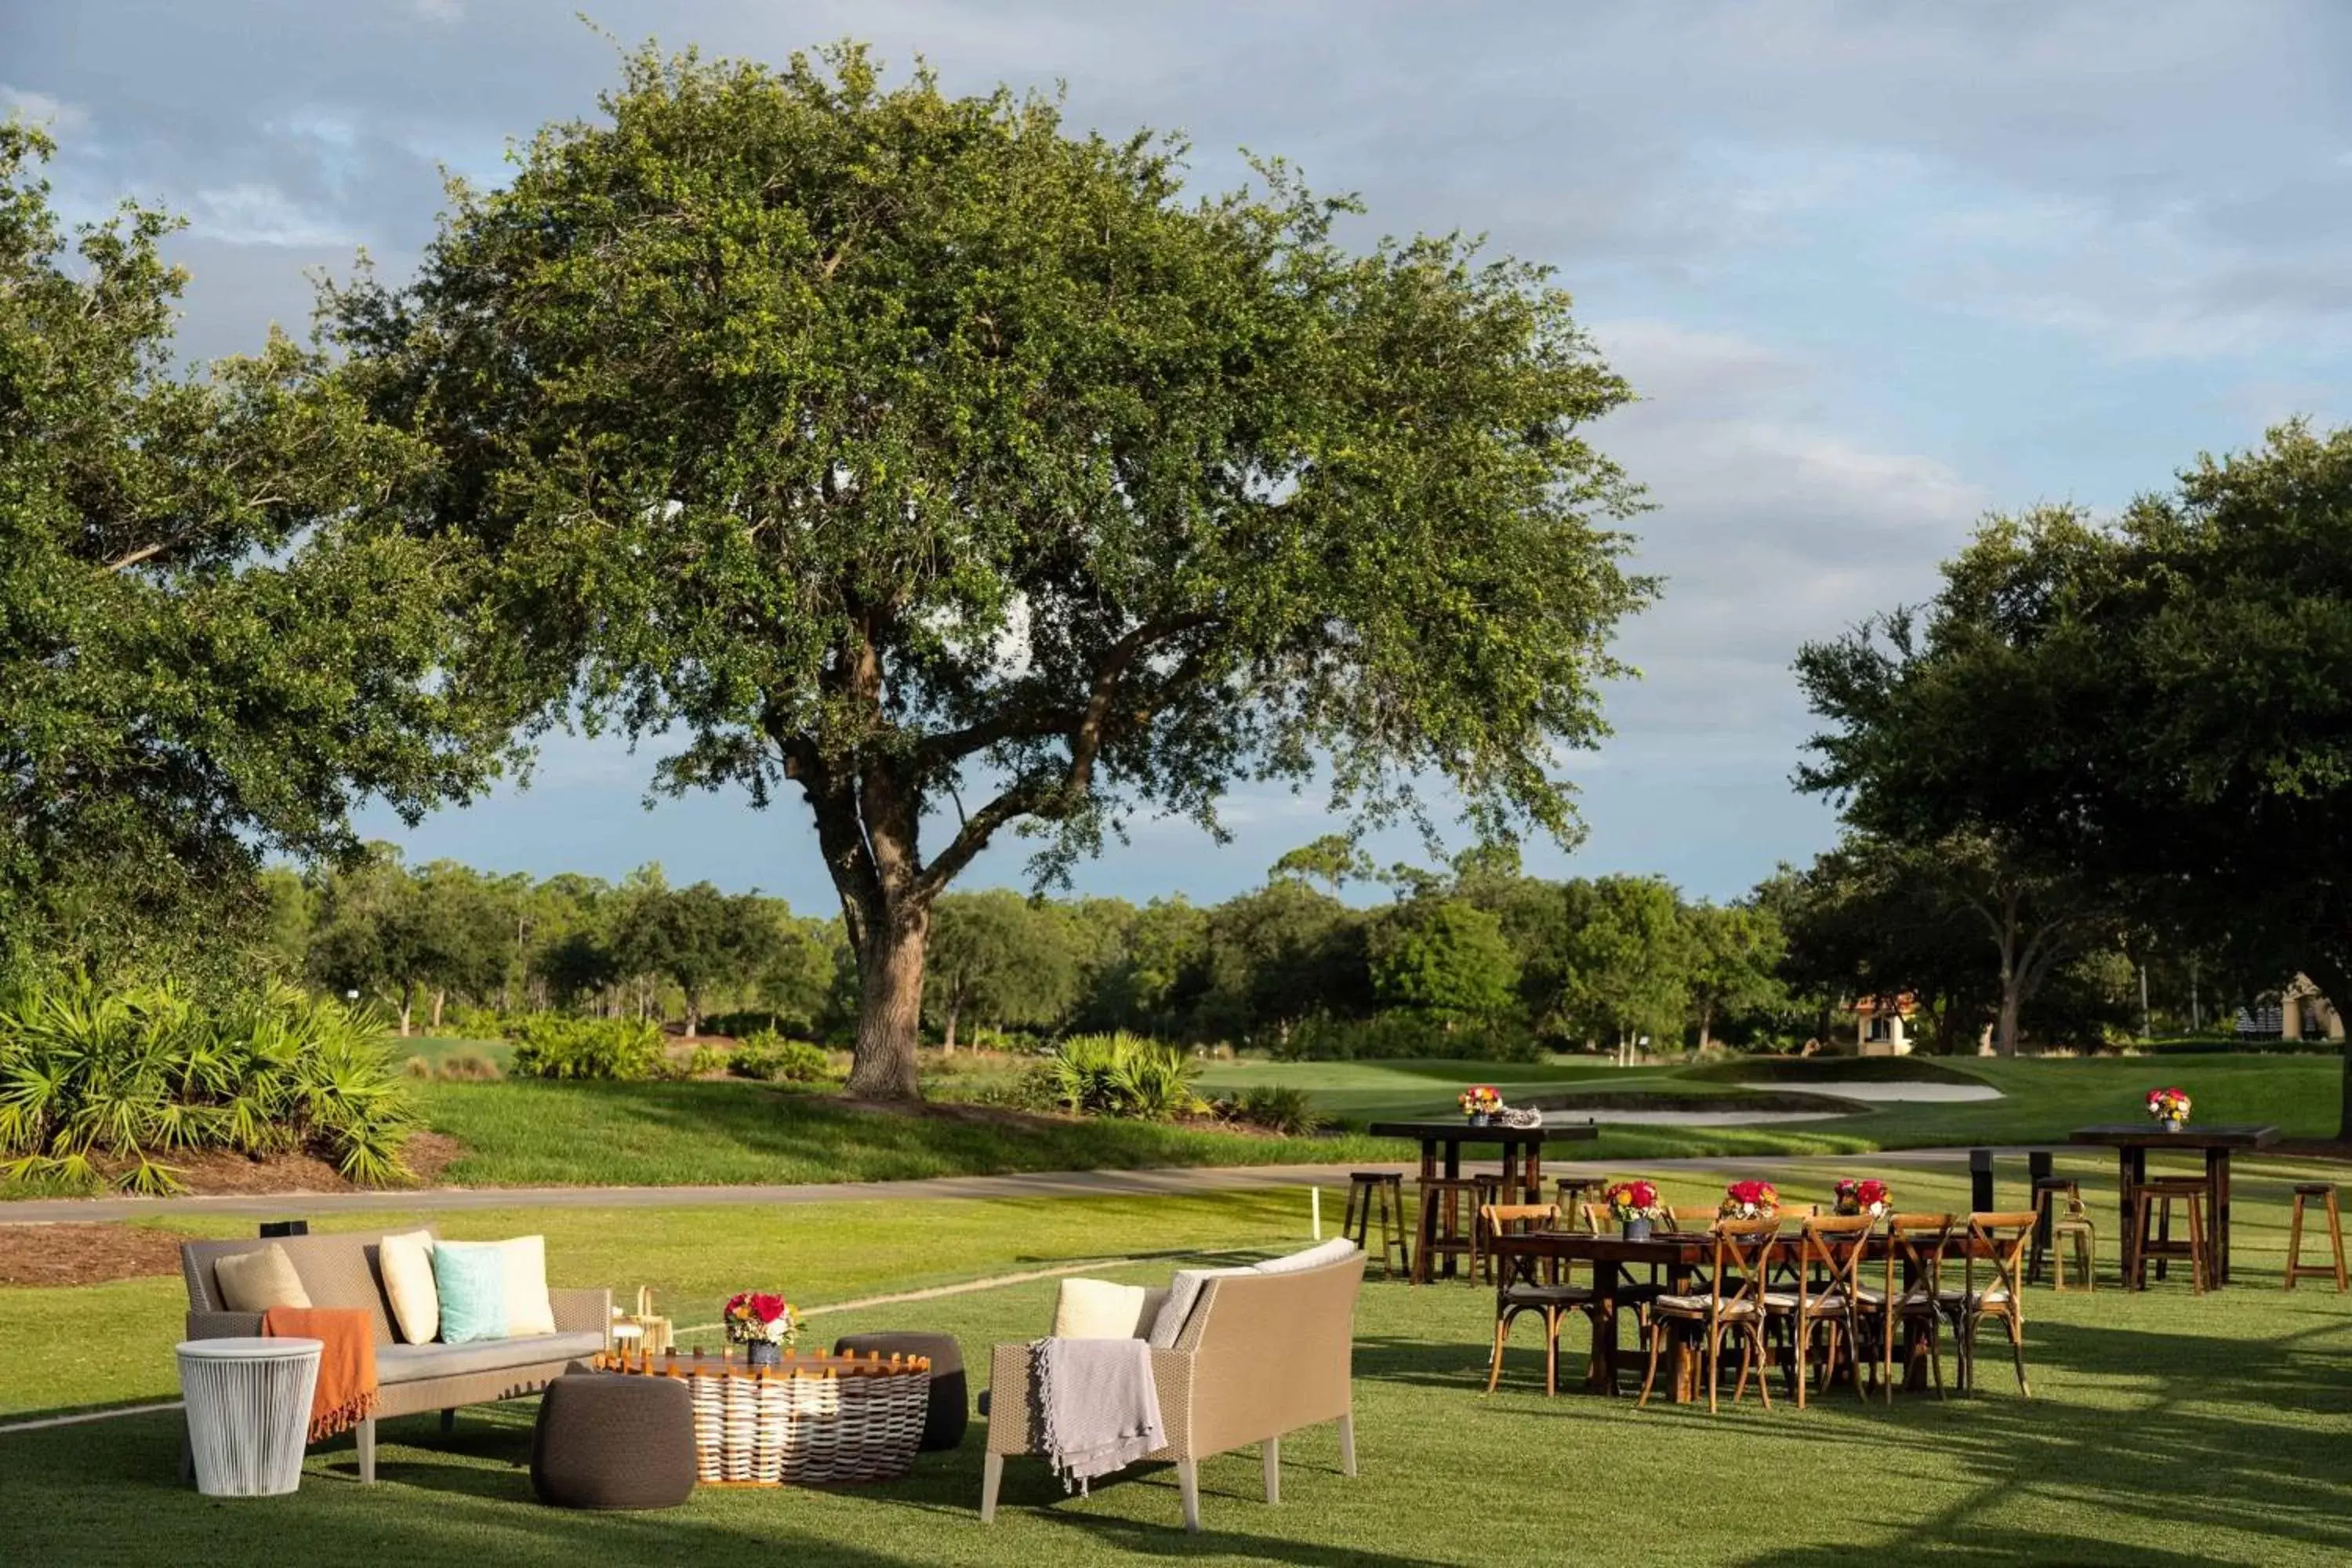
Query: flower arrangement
point(1480, 1099)
point(1750, 1200)
point(2169, 1106)
point(761, 1320)
point(1635, 1200)
point(1869, 1196)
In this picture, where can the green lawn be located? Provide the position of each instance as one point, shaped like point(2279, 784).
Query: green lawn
point(2165, 1429)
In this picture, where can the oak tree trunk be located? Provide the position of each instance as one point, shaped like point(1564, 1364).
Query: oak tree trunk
point(440, 997)
point(946, 1044)
point(890, 1007)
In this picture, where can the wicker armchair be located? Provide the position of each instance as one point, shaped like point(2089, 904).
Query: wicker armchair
point(1261, 1355)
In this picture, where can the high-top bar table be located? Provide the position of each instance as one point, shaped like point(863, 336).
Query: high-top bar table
point(1522, 1155)
point(2133, 1140)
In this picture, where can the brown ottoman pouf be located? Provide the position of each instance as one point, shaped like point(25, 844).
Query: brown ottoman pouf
point(943, 1421)
point(611, 1442)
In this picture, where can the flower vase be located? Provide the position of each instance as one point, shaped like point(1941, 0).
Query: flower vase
point(763, 1353)
point(1480, 1118)
point(1637, 1230)
point(2172, 1124)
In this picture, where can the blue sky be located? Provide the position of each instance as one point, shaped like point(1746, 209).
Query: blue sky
point(1875, 271)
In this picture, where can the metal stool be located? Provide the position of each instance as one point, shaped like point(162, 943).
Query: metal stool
point(2295, 1266)
point(2053, 1230)
point(2146, 1198)
point(1382, 1192)
point(1448, 1223)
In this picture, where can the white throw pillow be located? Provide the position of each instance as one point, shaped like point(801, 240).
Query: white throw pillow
point(1098, 1309)
point(1183, 1292)
point(529, 1312)
point(406, 1263)
point(1314, 1257)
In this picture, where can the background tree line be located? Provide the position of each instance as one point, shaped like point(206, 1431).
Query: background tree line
point(1474, 959)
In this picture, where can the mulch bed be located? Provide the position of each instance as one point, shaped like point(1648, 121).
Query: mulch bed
point(84, 1254)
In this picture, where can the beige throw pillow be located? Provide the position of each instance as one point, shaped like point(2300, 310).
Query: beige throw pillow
point(407, 1264)
point(256, 1281)
point(1098, 1309)
point(529, 1312)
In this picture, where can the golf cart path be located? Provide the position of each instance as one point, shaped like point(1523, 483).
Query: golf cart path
point(1033, 1185)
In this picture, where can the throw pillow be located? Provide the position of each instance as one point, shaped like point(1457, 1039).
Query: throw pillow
point(471, 1277)
point(529, 1312)
point(1314, 1257)
point(1183, 1292)
point(256, 1281)
point(406, 1262)
point(1098, 1309)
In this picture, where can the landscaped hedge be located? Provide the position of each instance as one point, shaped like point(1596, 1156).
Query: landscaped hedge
point(98, 1085)
point(770, 1057)
point(626, 1050)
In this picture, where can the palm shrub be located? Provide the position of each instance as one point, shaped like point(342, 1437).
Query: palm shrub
point(1285, 1109)
point(769, 1057)
point(627, 1050)
point(94, 1080)
point(1124, 1075)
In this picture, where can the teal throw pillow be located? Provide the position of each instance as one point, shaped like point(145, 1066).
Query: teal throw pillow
point(471, 1276)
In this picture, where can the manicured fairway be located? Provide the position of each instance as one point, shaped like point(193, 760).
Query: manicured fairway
point(2165, 1428)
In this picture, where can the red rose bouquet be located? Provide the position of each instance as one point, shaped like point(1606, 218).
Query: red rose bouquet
point(1869, 1196)
point(1750, 1200)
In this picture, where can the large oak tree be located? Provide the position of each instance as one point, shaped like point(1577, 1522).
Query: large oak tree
point(965, 472)
point(217, 633)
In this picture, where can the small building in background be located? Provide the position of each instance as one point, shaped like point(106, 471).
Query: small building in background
point(1882, 1024)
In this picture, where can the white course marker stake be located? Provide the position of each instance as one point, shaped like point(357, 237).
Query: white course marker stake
point(1314, 1207)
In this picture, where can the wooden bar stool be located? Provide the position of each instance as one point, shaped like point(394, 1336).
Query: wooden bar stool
point(2295, 1266)
point(1380, 1193)
point(1571, 1193)
point(1447, 1225)
point(2152, 1204)
point(2060, 1221)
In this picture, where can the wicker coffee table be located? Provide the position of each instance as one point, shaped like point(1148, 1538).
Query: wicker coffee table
point(811, 1420)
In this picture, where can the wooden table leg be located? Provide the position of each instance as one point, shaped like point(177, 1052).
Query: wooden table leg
point(2217, 1203)
point(1455, 1206)
point(1600, 1372)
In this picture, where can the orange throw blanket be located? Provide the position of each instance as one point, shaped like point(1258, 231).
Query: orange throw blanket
point(345, 1395)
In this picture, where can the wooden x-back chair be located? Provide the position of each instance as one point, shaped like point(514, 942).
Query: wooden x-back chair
point(1526, 1283)
point(1830, 1296)
point(1734, 1303)
point(1916, 1245)
point(2002, 1238)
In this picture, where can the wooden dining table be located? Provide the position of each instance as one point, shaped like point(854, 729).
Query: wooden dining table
point(2215, 1140)
point(1677, 1257)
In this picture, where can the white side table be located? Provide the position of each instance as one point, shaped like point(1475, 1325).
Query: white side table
point(249, 1412)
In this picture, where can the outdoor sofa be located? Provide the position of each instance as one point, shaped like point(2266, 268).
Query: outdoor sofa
point(1261, 1354)
point(342, 1270)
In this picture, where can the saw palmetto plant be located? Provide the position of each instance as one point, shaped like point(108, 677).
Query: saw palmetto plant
point(101, 1085)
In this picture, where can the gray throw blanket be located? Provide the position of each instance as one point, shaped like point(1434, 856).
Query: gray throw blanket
point(1097, 1410)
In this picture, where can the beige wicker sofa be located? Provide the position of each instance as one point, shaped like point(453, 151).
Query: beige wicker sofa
point(1259, 1356)
point(342, 1270)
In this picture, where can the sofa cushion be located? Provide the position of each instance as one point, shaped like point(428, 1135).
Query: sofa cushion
point(470, 1276)
point(527, 1309)
point(1100, 1310)
point(1331, 1251)
point(1183, 1292)
point(407, 1261)
point(407, 1364)
point(258, 1280)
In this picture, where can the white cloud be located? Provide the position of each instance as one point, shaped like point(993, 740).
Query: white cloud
point(441, 12)
point(256, 214)
point(41, 109)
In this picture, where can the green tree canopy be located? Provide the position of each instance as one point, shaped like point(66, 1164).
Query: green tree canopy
point(897, 445)
point(997, 958)
point(1443, 957)
point(214, 639)
point(701, 938)
point(2160, 706)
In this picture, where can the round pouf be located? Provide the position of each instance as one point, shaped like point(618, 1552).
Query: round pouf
point(609, 1442)
point(944, 1419)
point(249, 1412)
